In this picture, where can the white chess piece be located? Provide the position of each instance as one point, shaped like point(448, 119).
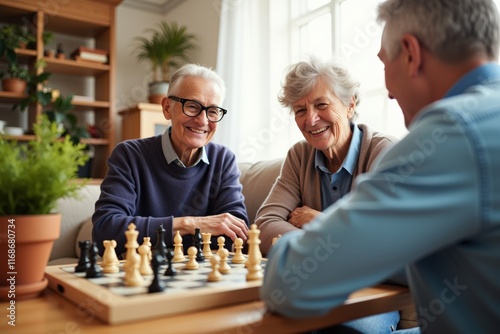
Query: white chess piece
point(224, 268)
point(131, 244)
point(254, 255)
point(147, 241)
point(132, 275)
point(214, 275)
point(207, 252)
point(238, 254)
point(192, 264)
point(220, 242)
point(110, 261)
point(145, 267)
point(178, 249)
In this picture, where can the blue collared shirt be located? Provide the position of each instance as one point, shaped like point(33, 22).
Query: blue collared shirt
point(432, 204)
point(171, 156)
point(335, 185)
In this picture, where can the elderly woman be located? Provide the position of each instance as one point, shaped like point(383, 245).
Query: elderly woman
point(179, 180)
point(320, 170)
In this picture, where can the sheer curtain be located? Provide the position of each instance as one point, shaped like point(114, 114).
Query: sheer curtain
point(252, 55)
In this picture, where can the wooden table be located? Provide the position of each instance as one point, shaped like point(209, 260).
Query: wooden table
point(52, 313)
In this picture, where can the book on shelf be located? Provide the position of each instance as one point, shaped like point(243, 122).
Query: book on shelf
point(89, 54)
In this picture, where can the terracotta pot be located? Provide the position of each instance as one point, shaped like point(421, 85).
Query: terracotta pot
point(14, 85)
point(157, 91)
point(25, 246)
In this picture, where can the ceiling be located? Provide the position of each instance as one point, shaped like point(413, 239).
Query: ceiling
point(156, 6)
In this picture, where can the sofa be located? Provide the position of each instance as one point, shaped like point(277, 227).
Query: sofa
point(256, 178)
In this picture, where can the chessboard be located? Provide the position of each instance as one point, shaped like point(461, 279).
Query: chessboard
point(112, 301)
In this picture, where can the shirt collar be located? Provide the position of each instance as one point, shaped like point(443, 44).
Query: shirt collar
point(171, 156)
point(476, 76)
point(351, 158)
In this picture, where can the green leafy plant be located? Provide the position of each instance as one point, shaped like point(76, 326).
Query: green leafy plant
point(35, 94)
point(60, 113)
point(13, 36)
point(167, 46)
point(34, 175)
point(16, 71)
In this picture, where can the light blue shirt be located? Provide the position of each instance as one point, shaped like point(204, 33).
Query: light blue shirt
point(335, 185)
point(171, 156)
point(432, 205)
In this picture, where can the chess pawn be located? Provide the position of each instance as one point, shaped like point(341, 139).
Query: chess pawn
point(254, 255)
point(214, 275)
point(238, 255)
point(192, 264)
point(145, 268)
point(132, 274)
point(207, 252)
point(224, 266)
point(275, 239)
point(147, 241)
point(220, 242)
point(178, 250)
point(110, 261)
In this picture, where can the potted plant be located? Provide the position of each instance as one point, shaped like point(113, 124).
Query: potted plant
point(33, 175)
point(11, 37)
point(168, 46)
point(15, 78)
point(36, 88)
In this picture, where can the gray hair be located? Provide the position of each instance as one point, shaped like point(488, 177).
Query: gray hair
point(193, 70)
point(452, 30)
point(303, 75)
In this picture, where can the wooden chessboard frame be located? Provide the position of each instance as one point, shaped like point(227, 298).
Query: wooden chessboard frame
point(113, 308)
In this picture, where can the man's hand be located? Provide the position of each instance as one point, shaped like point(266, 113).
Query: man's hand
point(302, 215)
point(224, 223)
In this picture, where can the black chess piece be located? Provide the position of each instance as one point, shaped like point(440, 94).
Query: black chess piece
point(84, 260)
point(160, 247)
point(197, 238)
point(171, 271)
point(156, 284)
point(94, 270)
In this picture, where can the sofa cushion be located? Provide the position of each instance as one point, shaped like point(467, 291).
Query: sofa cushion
point(75, 211)
point(257, 180)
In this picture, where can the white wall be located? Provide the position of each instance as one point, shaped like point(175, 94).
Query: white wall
point(132, 78)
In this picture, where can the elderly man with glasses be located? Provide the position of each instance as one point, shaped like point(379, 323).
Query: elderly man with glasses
point(179, 180)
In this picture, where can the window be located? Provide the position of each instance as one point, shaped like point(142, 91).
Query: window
point(353, 37)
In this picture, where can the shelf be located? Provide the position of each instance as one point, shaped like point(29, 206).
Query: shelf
point(73, 67)
point(88, 141)
point(87, 19)
point(9, 97)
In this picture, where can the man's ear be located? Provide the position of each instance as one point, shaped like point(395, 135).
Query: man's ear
point(166, 108)
point(412, 51)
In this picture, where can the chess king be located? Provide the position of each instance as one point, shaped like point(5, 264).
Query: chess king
point(178, 179)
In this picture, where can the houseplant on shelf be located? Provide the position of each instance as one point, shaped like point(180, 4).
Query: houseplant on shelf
point(33, 175)
point(168, 46)
point(15, 78)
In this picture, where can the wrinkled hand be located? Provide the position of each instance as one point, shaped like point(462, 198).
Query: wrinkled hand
point(302, 215)
point(224, 223)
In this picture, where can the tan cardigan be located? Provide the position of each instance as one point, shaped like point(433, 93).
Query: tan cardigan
point(299, 184)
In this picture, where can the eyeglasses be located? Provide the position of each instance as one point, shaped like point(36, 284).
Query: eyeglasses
point(193, 108)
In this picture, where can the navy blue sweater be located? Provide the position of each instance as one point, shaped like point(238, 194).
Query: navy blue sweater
point(141, 187)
